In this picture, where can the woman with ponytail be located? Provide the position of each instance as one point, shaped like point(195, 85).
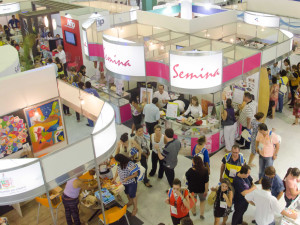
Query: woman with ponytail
point(291, 180)
point(197, 179)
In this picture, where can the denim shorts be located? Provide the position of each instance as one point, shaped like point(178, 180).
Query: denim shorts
point(130, 189)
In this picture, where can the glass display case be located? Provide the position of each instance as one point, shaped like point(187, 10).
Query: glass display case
point(120, 104)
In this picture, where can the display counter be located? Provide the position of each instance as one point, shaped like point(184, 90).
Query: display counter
point(120, 104)
point(188, 135)
point(295, 206)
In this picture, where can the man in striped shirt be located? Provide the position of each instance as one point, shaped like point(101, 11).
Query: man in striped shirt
point(245, 118)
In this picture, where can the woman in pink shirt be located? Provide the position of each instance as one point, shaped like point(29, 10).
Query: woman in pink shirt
point(291, 180)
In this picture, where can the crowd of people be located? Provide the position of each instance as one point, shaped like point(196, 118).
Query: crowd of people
point(280, 81)
point(236, 189)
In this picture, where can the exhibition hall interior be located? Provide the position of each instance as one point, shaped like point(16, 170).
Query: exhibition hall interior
point(154, 112)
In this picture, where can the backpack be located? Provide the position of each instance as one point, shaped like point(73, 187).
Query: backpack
point(241, 158)
point(201, 153)
point(283, 87)
point(141, 171)
point(192, 199)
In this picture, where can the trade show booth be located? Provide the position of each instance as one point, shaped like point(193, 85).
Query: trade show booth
point(36, 113)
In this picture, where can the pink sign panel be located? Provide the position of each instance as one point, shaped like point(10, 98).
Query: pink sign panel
point(252, 62)
point(157, 69)
point(125, 112)
point(96, 50)
point(232, 71)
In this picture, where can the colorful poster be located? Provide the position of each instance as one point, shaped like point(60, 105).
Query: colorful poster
point(45, 125)
point(13, 133)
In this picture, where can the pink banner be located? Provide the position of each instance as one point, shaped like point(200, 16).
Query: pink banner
point(125, 113)
point(232, 71)
point(157, 69)
point(96, 50)
point(252, 62)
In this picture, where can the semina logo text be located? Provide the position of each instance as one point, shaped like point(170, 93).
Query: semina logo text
point(188, 75)
point(70, 24)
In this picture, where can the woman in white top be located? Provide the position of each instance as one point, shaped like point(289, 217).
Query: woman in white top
point(125, 145)
point(157, 140)
point(194, 108)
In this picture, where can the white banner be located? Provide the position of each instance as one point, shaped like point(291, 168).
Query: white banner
point(85, 43)
point(124, 59)
point(196, 71)
point(21, 180)
point(260, 19)
point(9, 8)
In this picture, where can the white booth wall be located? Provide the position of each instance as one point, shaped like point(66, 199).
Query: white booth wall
point(9, 60)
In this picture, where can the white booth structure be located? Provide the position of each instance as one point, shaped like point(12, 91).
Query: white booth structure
point(26, 178)
point(9, 60)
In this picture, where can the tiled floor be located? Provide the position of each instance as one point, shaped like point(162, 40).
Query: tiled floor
point(151, 206)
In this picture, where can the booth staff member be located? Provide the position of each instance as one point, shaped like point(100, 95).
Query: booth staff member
point(232, 163)
point(162, 95)
point(62, 56)
point(70, 199)
point(13, 22)
point(266, 205)
point(194, 108)
point(152, 115)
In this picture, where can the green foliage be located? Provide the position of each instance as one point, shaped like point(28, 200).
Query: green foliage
point(26, 60)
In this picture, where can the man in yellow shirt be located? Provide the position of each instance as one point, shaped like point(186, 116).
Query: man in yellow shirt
point(283, 82)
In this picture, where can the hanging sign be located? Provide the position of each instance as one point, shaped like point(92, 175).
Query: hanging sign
point(124, 57)
point(261, 19)
point(9, 8)
point(199, 71)
point(20, 180)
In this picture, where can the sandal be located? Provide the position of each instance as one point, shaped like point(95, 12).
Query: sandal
point(295, 124)
point(148, 185)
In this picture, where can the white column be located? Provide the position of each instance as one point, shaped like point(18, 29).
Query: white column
point(186, 9)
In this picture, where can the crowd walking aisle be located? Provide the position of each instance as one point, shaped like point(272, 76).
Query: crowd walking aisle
point(153, 210)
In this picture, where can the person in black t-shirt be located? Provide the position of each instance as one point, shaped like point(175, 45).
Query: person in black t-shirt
point(242, 184)
point(197, 179)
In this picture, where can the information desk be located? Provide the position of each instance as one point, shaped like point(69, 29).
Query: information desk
point(120, 104)
point(188, 135)
point(295, 206)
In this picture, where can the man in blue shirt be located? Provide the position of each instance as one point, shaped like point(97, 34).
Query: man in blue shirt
point(89, 89)
point(13, 22)
point(152, 115)
point(242, 184)
point(277, 186)
point(274, 69)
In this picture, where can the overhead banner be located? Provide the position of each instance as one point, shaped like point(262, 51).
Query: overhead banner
point(196, 72)
point(261, 19)
point(9, 8)
point(21, 180)
point(124, 57)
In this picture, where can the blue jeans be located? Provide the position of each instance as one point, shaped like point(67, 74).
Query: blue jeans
point(264, 162)
point(91, 123)
point(280, 102)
